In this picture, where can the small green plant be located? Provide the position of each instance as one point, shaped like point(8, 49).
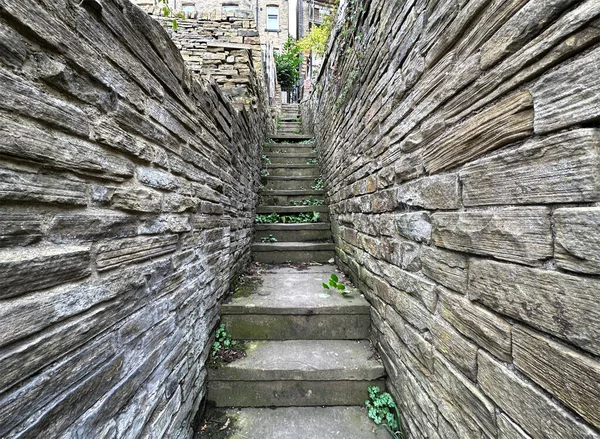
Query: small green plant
point(269, 238)
point(264, 173)
point(319, 185)
point(312, 162)
point(267, 219)
point(306, 142)
point(224, 348)
point(266, 159)
point(384, 412)
point(305, 217)
point(333, 283)
point(168, 13)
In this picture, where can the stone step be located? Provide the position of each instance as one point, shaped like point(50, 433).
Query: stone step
point(292, 305)
point(288, 183)
point(297, 373)
point(295, 210)
point(294, 232)
point(291, 137)
point(291, 159)
point(281, 252)
point(303, 170)
point(285, 198)
point(288, 148)
point(301, 422)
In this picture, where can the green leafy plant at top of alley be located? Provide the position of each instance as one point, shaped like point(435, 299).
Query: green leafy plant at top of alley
point(333, 283)
point(225, 349)
point(384, 412)
point(287, 65)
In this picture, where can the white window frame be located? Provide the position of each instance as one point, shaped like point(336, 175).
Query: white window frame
point(272, 14)
point(230, 8)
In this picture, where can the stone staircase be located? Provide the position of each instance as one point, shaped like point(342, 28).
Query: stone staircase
point(293, 172)
point(308, 354)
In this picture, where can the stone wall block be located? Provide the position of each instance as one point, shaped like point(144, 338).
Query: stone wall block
point(43, 188)
point(132, 250)
point(20, 228)
point(559, 168)
point(446, 267)
point(569, 95)
point(437, 192)
point(569, 375)
point(455, 347)
point(415, 226)
point(577, 241)
point(455, 387)
point(23, 270)
point(547, 300)
point(537, 414)
point(506, 122)
point(519, 235)
point(90, 226)
point(478, 324)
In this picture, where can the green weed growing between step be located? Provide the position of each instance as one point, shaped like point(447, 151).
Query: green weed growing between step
point(333, 283)
point(319, 184)
point(269, 238)
point(384, 411)
point(225, 349)
point(275, 218)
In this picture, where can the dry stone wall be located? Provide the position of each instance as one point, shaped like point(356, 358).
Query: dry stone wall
point(460, 146)
point(127, 193)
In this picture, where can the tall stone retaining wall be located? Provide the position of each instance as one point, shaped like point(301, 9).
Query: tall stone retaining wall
point(461, 154)
point(127, 193)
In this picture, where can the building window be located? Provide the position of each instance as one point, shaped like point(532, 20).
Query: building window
point(229, 8)
point(317, 15)
point(273, 18)
point(189, 8)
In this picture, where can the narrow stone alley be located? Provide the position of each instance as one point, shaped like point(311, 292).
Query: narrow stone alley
point(309, 359)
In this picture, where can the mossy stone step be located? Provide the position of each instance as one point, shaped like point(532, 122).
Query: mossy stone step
point(294, 232)
point(340, 422)
point(281, 252)
point(291, 137)
point(291, 304)
point(277, 183)
point(291, 159)
point(297, 373)
point(302, 170)
point(274, 149)
point(285, 198)
point(290, 210)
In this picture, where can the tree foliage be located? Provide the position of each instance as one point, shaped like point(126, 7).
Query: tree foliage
point(287, 64)
point(316, 39)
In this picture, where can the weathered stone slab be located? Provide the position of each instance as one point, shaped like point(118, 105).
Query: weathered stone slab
point(435, 192)
point(446, 267)
point(20, 228)
point(527, 22)
point(506, 122)
point(567, 374)
point(133, 250)
point(557, 169)
point(577, 239)
point(569, 95)
point(30, 141)
point(23, 270)
point(414, 225)
point(465, 394)
point(30, 186)
point(411, 283)
point(157, 179)
point(537, 414)
point(90, 226)
point(421, 348)
point(164, 224)
point(456, 348)
point(507, 429)
point(486, 329)
point(547, 300)
point(519, 234)
point(137, 199)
